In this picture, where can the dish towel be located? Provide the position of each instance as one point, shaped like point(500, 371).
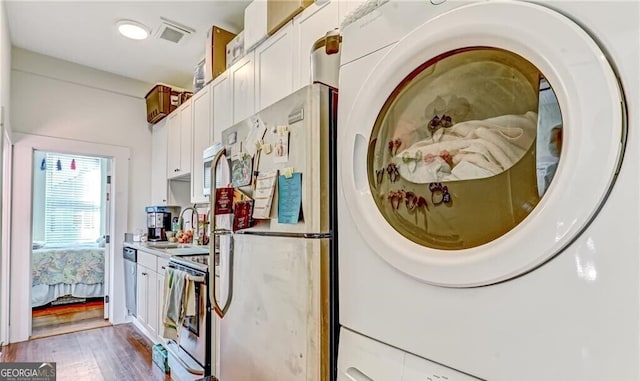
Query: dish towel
point(190, 295)
point(175, 287)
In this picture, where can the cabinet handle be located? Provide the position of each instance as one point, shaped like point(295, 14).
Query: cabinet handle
point(144, 274)
point(162, 267)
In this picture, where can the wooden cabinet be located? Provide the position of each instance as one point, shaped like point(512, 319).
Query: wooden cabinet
point(242, 84)
point(221, 92)
point(179, 125)
point(310, 25)
point(147, 293)
point(159, 163)
point(274, 67)
point(202, 136)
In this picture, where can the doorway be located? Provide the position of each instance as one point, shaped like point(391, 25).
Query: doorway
point(70, 212)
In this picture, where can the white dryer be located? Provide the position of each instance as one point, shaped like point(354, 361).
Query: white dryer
point(488, 192)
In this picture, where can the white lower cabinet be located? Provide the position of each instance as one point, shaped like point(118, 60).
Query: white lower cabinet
point(148, 295)
point(161, 270)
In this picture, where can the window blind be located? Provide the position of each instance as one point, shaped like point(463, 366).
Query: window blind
point(73, 199)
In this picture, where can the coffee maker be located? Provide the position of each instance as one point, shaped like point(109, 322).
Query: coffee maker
point(158, 222)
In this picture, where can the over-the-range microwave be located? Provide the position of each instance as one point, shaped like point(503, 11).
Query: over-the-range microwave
point(208, 155)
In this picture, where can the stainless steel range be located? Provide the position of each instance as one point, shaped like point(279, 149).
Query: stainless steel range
point(192, 349)
point(197, 261)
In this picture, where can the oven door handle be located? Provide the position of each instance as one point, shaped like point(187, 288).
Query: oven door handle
point(220, 311)
point(176, 355)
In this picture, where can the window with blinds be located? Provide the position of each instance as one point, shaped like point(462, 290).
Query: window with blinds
point(73, 195)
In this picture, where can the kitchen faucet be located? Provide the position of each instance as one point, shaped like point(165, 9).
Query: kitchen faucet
point(194, 212)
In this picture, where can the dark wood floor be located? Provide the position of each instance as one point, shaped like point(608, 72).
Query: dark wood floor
point(111, 353)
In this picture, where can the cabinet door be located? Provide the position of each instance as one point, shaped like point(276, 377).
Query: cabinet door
point(310, 25)
point(347, 7)
point(173, 144)
point(222, 105)
point(201, 103)
point(152, 303)
point(159, 163)
point(186, 131)
point(142, 295)
point(274, 67)
point(242, 82)
point(160, 303)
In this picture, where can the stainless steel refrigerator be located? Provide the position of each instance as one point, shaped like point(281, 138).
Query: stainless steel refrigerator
point(277, 301)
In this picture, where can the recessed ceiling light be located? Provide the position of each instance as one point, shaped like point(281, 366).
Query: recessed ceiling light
point(132, 29)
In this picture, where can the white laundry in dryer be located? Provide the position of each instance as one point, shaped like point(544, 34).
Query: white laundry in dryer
point(488, 192)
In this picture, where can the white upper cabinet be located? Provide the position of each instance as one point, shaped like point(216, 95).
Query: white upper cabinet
point(309, 26)
point(173, 143)
point(159, 163)
point(274, 67)
point(242, 82)
point(221, 92)
point(201, 103)
point(255, 24)
point(347, 6)
point(179, 142)
point(186, 123)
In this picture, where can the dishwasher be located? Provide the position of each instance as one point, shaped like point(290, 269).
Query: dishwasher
point(130, 256)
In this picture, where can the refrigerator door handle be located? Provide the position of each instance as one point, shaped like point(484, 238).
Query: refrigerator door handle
point(212, 244)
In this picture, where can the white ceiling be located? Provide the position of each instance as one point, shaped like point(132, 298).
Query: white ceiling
point(84, 32)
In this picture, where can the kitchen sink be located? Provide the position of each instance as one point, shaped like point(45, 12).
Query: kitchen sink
point(164, 245)
point(188, 250)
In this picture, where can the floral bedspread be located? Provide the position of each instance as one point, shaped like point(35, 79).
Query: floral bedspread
point(69, 265)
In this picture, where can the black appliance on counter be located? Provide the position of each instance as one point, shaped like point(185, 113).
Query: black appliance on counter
point(158, 222)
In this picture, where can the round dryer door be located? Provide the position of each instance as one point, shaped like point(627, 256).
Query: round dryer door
point(485, 142)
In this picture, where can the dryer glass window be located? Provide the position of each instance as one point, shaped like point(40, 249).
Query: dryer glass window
point(464, 148)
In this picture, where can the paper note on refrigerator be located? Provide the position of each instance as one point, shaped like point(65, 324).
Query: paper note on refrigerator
point(263, 195)
point(289, 198)
point(256, 133)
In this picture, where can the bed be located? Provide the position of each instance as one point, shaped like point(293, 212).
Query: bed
point(57, 272)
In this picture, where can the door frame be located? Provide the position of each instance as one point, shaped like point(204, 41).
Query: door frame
point(5, 250)
point(20, 283)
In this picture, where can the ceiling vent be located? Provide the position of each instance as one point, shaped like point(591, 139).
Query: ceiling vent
point(172, 31)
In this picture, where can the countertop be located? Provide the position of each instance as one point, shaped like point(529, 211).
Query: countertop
point(167, 250)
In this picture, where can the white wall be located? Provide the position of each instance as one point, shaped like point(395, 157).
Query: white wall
point(86, 111)
point(57, 98)
point(5, 130)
